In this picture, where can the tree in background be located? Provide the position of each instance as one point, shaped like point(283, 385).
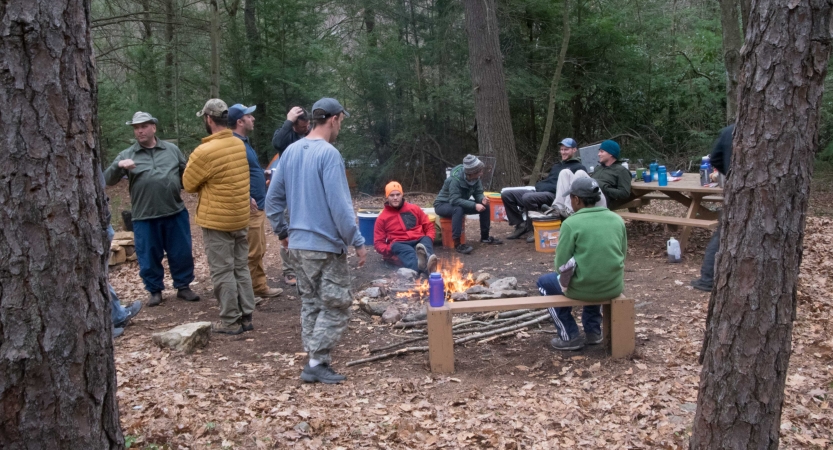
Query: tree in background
point(746, 350)
point(57, 374)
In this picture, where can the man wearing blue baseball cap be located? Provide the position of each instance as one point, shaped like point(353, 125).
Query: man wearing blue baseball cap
point(613, 178)
point(519, 201)
point(242, 123)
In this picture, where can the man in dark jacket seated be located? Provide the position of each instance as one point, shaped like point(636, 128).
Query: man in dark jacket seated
point(519, 201)
point(403, 234)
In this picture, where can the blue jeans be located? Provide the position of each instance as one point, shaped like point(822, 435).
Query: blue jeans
point(117, 312)
point(154, 238)
point(591, 315)
point(406, 251)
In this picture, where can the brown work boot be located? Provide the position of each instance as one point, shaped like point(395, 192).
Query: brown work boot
point(222, 328)
point(269, 292)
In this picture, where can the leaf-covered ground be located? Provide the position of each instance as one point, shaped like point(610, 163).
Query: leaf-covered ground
point(243, 392)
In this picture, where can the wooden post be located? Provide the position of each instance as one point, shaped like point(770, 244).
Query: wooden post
point(620, 327)
point(440, 340)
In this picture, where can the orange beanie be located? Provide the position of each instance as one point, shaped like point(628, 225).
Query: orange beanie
point(393, 186)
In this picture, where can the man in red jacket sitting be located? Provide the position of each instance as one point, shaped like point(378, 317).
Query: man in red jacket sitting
point(404, 233)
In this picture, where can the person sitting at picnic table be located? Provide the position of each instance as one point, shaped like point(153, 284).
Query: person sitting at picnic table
point(404, 234)
point(613, 178)
point(590, 265)
point(454, 201)
point(520, 201)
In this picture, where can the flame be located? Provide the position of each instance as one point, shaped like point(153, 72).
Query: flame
point(454, 278)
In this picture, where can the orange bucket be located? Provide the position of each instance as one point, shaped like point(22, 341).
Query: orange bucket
point(546, 233)
point(445, 226)
point(497, 211)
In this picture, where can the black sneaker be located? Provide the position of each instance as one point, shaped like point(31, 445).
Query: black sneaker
point(593, 338)
point(701, 285)
point(155, 299)
point(491, 241)
point(576, 343)
point(520, 230)
point(321, 373)
point(246, 322)
point(464, 249)
point(422, 257)
point(187, 294)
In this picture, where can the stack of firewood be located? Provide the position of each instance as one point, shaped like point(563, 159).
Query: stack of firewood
point(122, 248)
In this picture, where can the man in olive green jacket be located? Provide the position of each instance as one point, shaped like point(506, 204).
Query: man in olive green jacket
point(613, 178)
point(160, 221)
point(454, 201)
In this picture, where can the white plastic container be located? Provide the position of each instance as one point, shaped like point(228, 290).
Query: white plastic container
point(674, 253)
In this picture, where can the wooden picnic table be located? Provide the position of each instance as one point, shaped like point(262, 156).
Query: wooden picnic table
point(687, 191)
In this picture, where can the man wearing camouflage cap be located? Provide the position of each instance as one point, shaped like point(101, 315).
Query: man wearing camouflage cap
point(161, 225)
point(219, 171)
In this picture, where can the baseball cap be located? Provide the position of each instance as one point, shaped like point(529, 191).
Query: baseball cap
point(569, 142)
point(141, 117)
point(214, 107)
point(237, 111)
point(583, 187)
point(330, 106)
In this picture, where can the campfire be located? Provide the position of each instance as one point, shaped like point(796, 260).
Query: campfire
point(453, 277)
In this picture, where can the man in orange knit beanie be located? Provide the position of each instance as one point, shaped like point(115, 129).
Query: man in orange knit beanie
point(404, 234)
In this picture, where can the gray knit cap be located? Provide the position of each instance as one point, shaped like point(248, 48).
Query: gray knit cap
point(472, 164)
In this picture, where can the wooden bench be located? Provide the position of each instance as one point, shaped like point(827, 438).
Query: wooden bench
point(681, 221)
point(617, 324)
point(661, 196)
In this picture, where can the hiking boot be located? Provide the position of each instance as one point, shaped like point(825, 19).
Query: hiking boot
point(222, 328)
point(246, 322)
point(422, 257)
point(187, 294)
point(290, 279)
point(321, 373)
point(155, 299)
point(117, 331)
point(701, 285)
point(576, 343)
point(431, 266)
point(520, 230)
point(491, 241)
point(593, 338)
point(132, 311)
point(269, 292)
point(464, 248)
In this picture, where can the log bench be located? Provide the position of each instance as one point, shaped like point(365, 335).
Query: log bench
point(670, 220)
point(617, 323)
point(661, 196)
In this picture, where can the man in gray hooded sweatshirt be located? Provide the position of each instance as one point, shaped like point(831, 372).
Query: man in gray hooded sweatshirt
point(454, 201)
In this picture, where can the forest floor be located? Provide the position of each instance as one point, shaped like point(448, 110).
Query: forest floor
point(244, 392)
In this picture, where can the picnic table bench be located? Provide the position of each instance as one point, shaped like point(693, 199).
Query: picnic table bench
point(617, 323)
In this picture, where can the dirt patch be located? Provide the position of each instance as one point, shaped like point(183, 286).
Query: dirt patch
point(244, 391)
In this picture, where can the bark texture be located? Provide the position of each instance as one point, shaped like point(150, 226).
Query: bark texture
point(57, 374)
point(491, 103)
point(747, 345)
point(732, 41)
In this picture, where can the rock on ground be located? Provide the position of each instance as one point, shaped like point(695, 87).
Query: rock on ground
point(186, 338)
point(481, 279)
point(504, 284)
point(477, 290)
point(459, 296)
point(373, 308)
point(391, 315)
point(485, 296)
point(509, 293)
point(373, 292)
point(407, 274)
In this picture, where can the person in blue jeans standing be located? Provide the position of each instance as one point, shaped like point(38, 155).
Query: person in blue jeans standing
point(590, 265)
point(118, 313)
point(161, 225)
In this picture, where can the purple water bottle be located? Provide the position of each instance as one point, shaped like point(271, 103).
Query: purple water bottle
point(436, 290)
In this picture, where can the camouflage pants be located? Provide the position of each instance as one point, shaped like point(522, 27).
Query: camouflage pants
point(324, 286)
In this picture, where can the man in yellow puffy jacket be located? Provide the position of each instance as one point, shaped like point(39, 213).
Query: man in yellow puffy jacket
point(219, 171)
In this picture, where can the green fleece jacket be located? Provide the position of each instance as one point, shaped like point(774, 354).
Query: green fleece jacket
point(456, 190)
point(615, 182)
point(597, 239)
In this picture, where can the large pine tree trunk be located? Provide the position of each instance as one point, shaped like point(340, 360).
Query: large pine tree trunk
point(732, 41)
point(491, 103)
point(57, 374)
point(747, 345)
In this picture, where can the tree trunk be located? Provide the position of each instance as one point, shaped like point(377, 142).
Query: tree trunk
point(747, 344)
point(57, 374)
point(732, 42)
point(491, 103)
point(169, 61)
point(545, 139)
point(745, 10)
point(214, 35)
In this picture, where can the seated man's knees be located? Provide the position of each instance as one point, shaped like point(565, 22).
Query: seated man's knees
point(548, 284)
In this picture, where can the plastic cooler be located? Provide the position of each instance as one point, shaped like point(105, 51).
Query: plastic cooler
point(546, 235)
point(367, 223)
